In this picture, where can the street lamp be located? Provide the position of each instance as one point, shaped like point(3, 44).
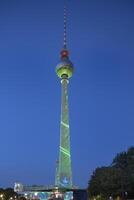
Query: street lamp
point(1, 196)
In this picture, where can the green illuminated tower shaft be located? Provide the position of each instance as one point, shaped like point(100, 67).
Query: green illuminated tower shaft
point(64, 168)
point(64, 71)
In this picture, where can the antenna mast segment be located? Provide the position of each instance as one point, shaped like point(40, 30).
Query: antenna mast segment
point(65, 27)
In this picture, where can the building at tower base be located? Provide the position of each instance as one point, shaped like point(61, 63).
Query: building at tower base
point(49, 193)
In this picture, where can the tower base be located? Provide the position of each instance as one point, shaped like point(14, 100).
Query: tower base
point(50, 193)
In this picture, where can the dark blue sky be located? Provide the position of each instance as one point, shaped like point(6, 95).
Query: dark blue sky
point(101, 92)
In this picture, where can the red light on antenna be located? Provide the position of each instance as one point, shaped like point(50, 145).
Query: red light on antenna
point(64, 53)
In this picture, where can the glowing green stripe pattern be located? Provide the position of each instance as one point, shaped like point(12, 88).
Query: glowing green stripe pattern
point(65, 151)
point(64, 171)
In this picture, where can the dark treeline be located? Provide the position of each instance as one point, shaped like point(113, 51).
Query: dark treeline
point(8, 194)
point(116, 180)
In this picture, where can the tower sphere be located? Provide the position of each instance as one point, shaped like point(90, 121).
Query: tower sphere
point(65, 68)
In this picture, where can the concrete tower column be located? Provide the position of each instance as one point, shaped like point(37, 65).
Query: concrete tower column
point(65, 171)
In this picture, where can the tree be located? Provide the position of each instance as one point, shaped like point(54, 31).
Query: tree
point(117, 179)
point(124, 162)
point(105, 181)
point(8, 194)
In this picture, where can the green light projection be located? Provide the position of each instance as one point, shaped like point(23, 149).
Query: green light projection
point(64, 172)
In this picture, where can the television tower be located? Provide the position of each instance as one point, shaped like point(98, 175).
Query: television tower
point(64, 71)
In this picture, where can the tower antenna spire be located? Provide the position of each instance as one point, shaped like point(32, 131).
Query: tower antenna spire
point(64, 52)
point(65, 27)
